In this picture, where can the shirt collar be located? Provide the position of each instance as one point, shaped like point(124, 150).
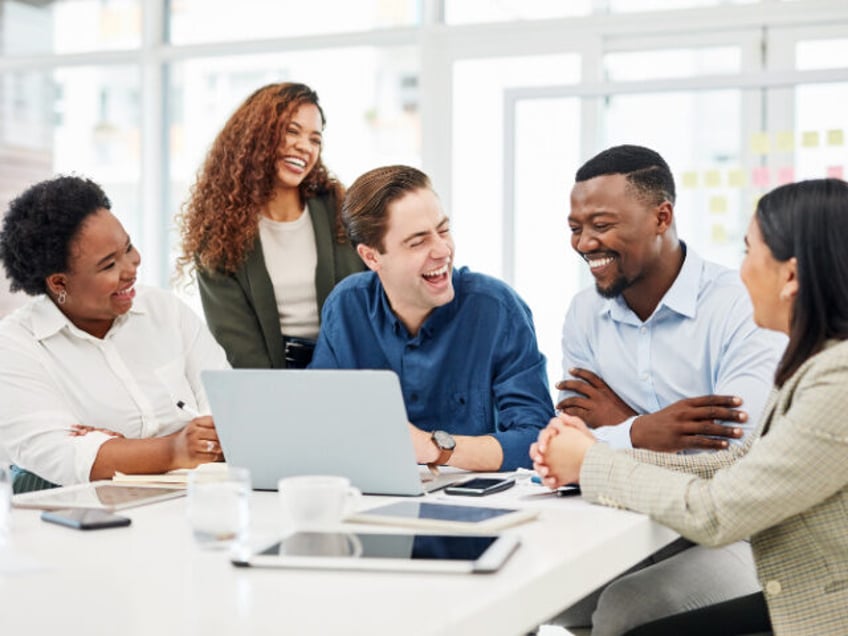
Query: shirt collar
point(681, 297)
point(48, 320)
point(438, 317)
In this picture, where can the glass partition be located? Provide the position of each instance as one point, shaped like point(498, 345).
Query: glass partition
point(68, 26)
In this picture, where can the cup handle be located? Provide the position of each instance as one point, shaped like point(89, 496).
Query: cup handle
point(355, 544)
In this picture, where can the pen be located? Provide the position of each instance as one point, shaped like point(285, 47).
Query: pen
point(185, 407)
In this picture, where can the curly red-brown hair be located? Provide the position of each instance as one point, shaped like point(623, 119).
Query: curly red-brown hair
point(219, 221)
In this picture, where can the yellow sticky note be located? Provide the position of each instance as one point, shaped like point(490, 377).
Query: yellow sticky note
point(810, 138)
point(718, 205)
point(759, 143)
point(712, 178)
point(719, 234)
point(835, 137)
point(784, 141)
point(690, 179)
point(736, 178)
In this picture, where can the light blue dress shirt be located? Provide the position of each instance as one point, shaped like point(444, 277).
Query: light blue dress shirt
point(700, 340)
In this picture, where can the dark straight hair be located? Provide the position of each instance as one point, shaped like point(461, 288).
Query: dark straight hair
point(809, 221)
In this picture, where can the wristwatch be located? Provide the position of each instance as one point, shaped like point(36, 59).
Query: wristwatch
point(446, 444)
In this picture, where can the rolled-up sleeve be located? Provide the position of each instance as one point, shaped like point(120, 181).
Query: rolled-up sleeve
point(35, 420)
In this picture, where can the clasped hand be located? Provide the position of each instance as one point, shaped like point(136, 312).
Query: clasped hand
point(559, 451)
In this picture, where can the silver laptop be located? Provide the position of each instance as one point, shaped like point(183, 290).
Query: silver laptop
point(284, 422)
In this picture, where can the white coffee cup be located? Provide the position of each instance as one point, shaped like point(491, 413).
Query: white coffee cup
point(316, 502)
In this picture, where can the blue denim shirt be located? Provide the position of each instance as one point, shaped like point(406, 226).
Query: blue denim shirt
point(474, 368)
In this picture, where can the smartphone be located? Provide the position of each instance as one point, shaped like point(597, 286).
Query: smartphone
point(568, 490)
point(479, 486)
point(85, 518)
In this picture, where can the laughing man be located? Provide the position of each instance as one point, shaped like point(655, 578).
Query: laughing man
point(462, 344)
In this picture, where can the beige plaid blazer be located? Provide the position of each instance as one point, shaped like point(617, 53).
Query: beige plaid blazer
point(786, 489)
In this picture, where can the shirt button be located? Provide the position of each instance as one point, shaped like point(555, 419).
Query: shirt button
point(413, 397)
point(643, 330)
point(644, 377)
point(773, 588)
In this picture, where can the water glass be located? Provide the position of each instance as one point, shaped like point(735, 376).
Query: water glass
point(217, 505)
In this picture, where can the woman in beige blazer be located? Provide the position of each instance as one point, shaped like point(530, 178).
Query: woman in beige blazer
point(787, 488)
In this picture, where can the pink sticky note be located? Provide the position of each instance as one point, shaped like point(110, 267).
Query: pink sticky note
point(786, 174)
point(835, 172)
point(760, 177)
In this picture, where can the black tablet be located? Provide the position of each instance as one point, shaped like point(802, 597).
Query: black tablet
point(395, 552)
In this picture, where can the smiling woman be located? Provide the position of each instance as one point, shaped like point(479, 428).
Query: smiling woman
point(262, 230)
point(93, 366)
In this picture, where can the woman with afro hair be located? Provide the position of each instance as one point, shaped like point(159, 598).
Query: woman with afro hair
point(262, 230)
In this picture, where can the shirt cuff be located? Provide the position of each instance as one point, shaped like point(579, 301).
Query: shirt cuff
point(86, 448)
point(616, 436)
point(515, 444)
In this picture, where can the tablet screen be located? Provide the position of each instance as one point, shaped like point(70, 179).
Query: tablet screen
point(382, 546)
point(442, 512)
point(99, 494)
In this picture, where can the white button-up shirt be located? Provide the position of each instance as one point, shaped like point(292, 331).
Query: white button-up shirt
point(54, 375)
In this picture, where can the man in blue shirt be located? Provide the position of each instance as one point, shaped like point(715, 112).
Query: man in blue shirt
point(462, 344)
point(663, 354)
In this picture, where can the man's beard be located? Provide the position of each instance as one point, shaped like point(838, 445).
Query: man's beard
point(614, 288)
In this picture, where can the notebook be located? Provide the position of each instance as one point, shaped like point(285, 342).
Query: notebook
point(284, 422)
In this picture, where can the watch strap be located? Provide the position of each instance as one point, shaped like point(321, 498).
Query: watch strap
point(444, 453)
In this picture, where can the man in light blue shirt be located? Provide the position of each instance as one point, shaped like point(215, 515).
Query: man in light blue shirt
point(661, 354)
point(700, 340)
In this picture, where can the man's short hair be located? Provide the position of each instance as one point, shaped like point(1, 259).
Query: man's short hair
point(644, 169)
point(365, 210)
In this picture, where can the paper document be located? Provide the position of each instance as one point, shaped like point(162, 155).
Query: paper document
point(174, 477)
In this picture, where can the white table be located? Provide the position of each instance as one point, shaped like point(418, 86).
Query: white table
point(151, 578)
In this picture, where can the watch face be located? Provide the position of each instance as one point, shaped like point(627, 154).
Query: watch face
point(443, 440)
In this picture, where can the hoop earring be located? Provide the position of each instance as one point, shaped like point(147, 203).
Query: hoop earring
point(61, 297)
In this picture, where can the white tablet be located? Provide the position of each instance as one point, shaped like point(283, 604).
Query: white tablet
point(398, 552)
point(104, 495)
point(444, 517)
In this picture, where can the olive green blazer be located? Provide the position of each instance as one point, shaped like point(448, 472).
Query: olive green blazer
point(241, 309)
point(786, 488)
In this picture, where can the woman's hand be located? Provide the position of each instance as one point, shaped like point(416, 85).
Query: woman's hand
point(197, 443)
point(558, 453)
point(78, 430)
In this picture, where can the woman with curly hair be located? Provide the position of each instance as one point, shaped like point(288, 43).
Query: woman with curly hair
point(262, 230)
